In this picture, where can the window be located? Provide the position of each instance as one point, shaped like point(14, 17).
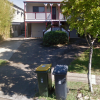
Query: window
point(38, 9)
point(35, 9)
point(18, 12)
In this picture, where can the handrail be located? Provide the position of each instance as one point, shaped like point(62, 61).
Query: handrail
point(47, 30)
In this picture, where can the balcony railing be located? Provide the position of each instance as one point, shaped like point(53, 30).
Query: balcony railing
point(41, 16)
point(30, 16)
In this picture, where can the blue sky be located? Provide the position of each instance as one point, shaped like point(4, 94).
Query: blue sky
point(19, 3)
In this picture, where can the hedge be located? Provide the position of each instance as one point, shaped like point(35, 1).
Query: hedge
point(54, 38)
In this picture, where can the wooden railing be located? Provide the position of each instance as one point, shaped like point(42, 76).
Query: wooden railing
point(41, 16)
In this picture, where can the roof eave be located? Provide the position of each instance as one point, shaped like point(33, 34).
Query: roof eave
point(40, 2)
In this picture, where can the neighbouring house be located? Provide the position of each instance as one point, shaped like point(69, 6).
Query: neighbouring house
point(18, 21)
point(42, 16)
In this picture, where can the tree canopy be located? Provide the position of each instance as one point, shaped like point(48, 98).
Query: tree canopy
point(84, 16)
point(6, 15)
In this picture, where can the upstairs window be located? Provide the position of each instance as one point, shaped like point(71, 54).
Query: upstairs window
point(38, 9)
point(35, 9)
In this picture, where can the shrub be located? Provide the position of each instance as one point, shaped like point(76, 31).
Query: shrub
point(54, 38)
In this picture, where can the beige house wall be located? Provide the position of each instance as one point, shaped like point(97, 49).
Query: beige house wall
point(29, 6)
point(37, 29)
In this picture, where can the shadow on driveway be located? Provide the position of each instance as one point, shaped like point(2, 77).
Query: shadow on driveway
point(19, 77)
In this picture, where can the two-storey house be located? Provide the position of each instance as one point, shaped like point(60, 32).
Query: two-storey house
point(44, 15)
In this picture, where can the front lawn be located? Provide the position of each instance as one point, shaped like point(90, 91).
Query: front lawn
point(80, 91)
point(77, 91)
point(80, 64)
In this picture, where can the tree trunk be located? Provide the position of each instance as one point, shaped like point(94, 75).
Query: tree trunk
point(89, 68)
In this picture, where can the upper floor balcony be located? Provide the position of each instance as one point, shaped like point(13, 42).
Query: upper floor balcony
point(42, 16)
point(42, 11)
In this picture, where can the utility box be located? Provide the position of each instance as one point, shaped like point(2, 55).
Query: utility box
point(44, 79)
point(60, 72)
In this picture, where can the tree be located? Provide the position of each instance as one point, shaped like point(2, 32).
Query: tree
point(84, 16)
point(6, 15)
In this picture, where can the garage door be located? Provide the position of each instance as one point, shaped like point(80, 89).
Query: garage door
point(37, 29)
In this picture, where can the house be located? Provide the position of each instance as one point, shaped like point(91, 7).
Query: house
point(17, 21)
point(42, 16)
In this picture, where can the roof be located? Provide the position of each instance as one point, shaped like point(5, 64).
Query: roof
point(17, 7)
point(44, 1)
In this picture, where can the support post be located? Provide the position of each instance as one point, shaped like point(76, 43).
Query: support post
point(25, 29)
point(59, 13)
point(25, 18)
point(35, 15)
point(59, 10)
point(51, 15)
point(43, 32)
point(45, 10)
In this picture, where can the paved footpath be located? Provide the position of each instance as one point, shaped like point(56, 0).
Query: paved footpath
point(18, 80)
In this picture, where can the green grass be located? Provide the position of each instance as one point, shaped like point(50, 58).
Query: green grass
point(79, 87)
point(3, 62)
point(74, 89)
point(80, 64)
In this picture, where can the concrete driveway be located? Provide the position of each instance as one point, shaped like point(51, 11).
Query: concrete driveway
point(18, 81)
